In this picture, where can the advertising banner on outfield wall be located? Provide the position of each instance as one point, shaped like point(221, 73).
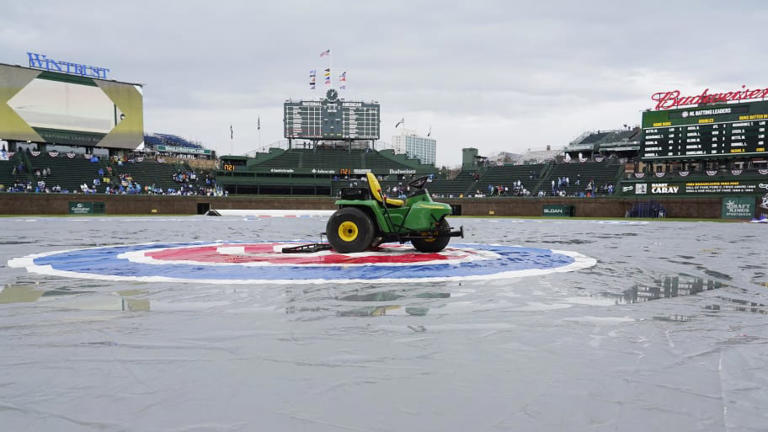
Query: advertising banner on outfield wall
point(738, 207)
point(81, 208)
point(657, 188)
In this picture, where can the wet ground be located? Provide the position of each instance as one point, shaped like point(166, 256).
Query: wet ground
point(667, 332)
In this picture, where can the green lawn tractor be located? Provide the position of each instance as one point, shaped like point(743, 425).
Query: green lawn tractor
point(367, 217)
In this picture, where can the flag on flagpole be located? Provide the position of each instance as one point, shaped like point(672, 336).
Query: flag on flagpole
point(325, 53)
point(402, 120)
point(231, 133)
point(258, 123)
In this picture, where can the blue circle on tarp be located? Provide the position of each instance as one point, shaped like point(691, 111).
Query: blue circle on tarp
point(104, 261)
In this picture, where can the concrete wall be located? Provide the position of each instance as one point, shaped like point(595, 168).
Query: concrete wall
point(57, 204)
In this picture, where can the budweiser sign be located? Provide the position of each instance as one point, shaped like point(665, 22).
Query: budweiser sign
point(673, 99)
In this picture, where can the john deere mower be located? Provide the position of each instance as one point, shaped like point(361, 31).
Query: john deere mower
point(367, 217)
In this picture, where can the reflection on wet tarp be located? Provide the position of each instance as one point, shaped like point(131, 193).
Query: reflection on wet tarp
point(75, 298)
point(741, 305)
point(390, 302)
point(667, 287)
point(673, 318)
point(388, 296)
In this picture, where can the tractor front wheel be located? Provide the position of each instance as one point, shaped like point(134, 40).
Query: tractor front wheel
point(349, 230)
point(434, 243)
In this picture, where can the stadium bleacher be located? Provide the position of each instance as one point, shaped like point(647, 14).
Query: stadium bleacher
point(69, 173)
point(6, 176)
point(600, 173)
point(335, 159)
point(460, 186)
point(149, 172)
point(171, 140)
point(529, 175)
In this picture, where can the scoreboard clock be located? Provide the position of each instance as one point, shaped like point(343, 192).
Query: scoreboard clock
point(331, 118)
point(710, 131)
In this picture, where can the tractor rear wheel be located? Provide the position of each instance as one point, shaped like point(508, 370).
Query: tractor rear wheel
point(434, 243)
point(349, 229)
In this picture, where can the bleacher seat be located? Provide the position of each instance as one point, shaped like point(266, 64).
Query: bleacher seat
point(149, 172)
point(601, 172)
point(69, 173)
point(529, 175)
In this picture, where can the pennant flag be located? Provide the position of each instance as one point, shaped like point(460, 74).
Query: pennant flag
point(430, 131)
point(327, 73)
point(312, 73)
point(231, 133)
point(402, 120)
point(342, 87)
point(258, 123)
point(343, 76)
point(325, 53)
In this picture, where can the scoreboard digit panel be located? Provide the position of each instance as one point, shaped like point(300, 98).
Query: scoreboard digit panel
point(715, 130)
point(331, 120)
point(303, 119)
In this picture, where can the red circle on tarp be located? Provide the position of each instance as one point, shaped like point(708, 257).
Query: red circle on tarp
point(265, 253)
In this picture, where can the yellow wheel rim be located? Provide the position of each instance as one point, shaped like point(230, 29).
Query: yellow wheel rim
point(428, 239)
point(348, 231)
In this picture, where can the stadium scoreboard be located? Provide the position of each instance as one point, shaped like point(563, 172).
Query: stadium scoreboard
point(331, 118)
point(737, 129)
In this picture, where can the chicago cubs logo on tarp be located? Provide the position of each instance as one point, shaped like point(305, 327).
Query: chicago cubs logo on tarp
point(253, 263)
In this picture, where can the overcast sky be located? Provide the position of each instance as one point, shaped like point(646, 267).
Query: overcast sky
point(497, 75)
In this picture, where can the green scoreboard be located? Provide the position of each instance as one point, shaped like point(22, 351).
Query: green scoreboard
point(331, 118)
point(737, 129)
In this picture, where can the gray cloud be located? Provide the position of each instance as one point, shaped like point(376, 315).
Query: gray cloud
point(499, 75)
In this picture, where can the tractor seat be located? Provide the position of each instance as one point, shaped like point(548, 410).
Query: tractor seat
point(376, 192)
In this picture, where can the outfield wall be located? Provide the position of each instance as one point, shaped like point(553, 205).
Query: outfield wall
point(61, 204)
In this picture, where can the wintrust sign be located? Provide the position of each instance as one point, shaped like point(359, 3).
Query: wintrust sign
point(41, 61)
